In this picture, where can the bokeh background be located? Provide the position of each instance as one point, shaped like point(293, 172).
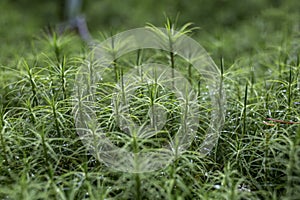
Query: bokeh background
point(228, 28)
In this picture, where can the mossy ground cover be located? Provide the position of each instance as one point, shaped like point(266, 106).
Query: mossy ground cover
point(257, 155)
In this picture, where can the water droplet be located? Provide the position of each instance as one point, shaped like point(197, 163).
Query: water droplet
point(217, 187)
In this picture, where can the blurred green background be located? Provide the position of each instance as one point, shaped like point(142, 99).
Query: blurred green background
point(228, 28)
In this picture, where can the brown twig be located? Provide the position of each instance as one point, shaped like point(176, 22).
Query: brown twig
point(279, 121)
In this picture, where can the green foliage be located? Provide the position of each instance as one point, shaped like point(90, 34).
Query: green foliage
point(256, 157)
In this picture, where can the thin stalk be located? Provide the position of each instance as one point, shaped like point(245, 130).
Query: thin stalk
point(245, 111)
point(117, 77)
point(90, 81)
point(45, 152)
point(1, 117)
point(32, 85)
point(297, 78)
point(252, 79)
point(185, 129)
point(47, 163)
point(289, 89)
point(172, 56)
point(52, 88)
point(173, 175)
point(63, 77)
point(122, 85)
point(138, 186)
point(138, 61)
point(221, 82)
point(116, 70)
point(137, 178)
point(115, 65)
point(267, 98)
point(199, 92)
point(32, 115)
point(80, 106)
point(56, 47)
point(280, 65)
point(140, 69)
point(56, 121)
point(238, 91)
point(173, 168)
point(265, 162)
point(172, 95)
point(199, 88)
point(2, 130)
point(290, 169)
point(153, 96)
point(221, 97)
point(173, 68)
point(222, 67)
point(190, 77)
